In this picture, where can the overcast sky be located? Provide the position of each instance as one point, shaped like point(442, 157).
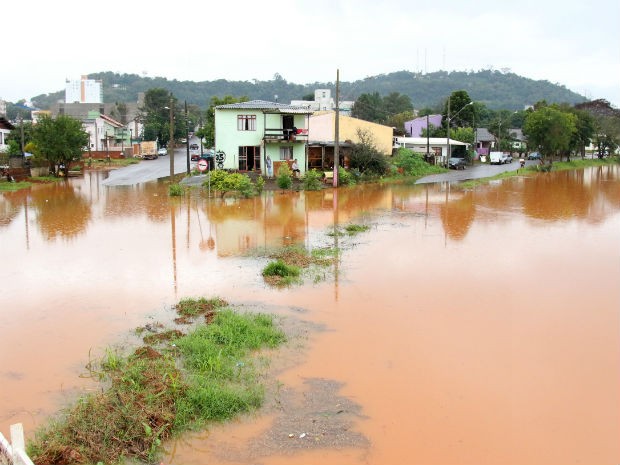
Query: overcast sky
point(574, 43)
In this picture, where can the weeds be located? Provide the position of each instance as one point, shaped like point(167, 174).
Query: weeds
point(152, 394)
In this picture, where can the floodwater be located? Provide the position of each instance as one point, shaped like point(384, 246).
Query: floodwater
point(471, 327)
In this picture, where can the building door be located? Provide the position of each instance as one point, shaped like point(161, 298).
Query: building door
point(249, 158)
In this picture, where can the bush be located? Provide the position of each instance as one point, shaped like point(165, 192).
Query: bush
point(224, 181)
point(260, 184)
point(347, 178)
point(284, 179)
point(312, 180)
point(412, 163)
point(175, 190)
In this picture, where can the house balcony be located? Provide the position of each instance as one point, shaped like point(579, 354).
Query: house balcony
point(281, 135)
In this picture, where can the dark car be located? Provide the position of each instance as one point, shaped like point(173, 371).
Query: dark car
point(457, 163)
point(194, 147)
point(534, 156)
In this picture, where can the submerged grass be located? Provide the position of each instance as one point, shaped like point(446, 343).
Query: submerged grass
point(158, 391)
point(291, 262)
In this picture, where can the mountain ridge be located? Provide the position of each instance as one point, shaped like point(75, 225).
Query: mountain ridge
point(496, 89)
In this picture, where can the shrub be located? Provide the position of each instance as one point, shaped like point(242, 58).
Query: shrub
point(411, 163)
point(284, 179)
point(175, 190)
point(279, 268)
point(260, 184)
point(312, 180)
point(347, 178)
point(224, 181)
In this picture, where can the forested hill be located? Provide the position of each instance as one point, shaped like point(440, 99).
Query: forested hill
point(495, 89)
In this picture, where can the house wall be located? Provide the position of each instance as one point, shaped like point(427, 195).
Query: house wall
point(228, 138)
point(414, 127)
point(322, 128)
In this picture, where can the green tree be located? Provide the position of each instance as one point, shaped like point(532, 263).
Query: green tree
point(398, 121)
point(155, 115)
point(366, 158)
point(369, 107)
point(462, 112)
point(549, 130)
point(60, 141)
point(395, 103)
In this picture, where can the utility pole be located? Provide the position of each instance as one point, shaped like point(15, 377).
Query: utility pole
point(171, 141)
point(337, 130)
point(187, 137)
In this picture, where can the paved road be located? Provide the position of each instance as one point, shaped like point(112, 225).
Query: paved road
point(473, 172)
point(149, 170)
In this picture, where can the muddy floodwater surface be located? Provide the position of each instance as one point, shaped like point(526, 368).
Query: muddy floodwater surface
point(464, 327)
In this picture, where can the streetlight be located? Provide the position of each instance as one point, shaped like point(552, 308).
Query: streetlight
point(449, 149)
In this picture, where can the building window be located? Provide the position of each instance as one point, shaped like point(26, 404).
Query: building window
point(246, 123)
point(286, 153)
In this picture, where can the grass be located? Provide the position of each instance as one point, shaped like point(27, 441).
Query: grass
point(13, 186)
point(170, 385)
point(532, 169)
point(290, 263)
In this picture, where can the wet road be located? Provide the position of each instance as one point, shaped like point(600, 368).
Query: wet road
point(473, 172)
point(148, 170)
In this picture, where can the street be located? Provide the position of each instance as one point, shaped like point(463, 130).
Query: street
point(150, 170)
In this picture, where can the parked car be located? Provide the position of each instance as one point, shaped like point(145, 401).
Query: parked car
point(194, 155)
point(194, 147)
point(162, 151)
point(534, 156)
point(506, 158)
point(457, 163)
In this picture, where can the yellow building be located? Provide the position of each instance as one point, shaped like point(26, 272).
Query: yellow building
point(321, 137)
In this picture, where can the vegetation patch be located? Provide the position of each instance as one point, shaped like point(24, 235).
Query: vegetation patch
point(162, 389)
point(175, 190)
point(290, 263)
point(6, 186)
point(353, 229)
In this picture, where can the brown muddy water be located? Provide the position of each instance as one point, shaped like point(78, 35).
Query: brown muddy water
point(465, 327)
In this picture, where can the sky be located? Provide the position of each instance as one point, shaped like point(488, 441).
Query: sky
point(573, 43)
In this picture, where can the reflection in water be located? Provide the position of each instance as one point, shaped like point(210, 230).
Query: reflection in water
point(462, 322)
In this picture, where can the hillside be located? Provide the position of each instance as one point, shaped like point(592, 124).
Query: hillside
point(495, 89)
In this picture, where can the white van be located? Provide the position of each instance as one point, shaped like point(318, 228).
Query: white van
point(496, 158)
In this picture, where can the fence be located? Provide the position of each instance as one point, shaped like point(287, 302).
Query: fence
point(14, 453)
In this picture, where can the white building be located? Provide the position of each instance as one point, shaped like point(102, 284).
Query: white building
point(323, 101)
point(84, 91)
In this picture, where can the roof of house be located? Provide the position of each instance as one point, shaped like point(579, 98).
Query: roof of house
point(517, 134)
point(431, 141)
point(5, 123)
point(265, 106)
point(483, 135)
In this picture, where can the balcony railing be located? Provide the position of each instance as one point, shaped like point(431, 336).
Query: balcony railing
point(285, 135)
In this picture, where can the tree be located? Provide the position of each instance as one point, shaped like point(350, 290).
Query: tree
point(60, 141)
point(398, 121)
point(396, 103)
point(369, 107)
point(155, 115)
point(365, 157)
point(461, 112)
point(549, 130)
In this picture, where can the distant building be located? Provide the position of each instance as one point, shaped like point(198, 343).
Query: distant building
point(84, 91)
point(323, 101)
point(5, 129)
point(2, 107)
point(414, 127)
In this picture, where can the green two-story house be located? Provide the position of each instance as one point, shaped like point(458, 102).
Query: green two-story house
point(247, 132)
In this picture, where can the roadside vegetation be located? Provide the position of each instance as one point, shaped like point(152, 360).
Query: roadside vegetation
point(542, 168)
point(170, 384)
